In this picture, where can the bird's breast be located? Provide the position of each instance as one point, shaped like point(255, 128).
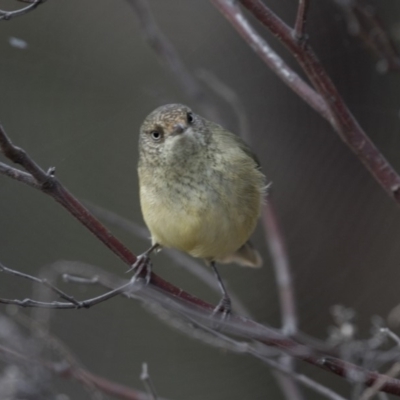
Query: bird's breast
point(196, 211)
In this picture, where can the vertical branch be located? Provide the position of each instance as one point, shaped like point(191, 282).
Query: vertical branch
point(283, 278)
point(301, 18)
point(280, 262)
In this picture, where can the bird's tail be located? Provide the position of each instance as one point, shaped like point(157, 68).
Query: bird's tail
point(246, 256)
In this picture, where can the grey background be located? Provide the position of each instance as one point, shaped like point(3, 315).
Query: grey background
point(75, 98)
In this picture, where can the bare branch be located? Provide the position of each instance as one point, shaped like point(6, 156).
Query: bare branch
point(43, 282)
point(7, 15)
point(18, 175)
point(280, 261)
point(301, 19)
point(71, 302)
point(145, 378)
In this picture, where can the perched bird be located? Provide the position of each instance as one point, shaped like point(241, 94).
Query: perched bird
point(201, 189)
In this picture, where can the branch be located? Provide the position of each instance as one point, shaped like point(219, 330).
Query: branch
point(7, 15)
point(280, 262)
point(71, 302)
point(283, 277)
point(327, 101)
point(148, 383)
point(301, 19)
point(18, 175)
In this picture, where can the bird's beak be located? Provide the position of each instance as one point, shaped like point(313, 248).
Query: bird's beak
point(178, 129)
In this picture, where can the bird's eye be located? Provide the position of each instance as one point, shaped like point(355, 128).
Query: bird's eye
point(189, 117)
point(156, 135)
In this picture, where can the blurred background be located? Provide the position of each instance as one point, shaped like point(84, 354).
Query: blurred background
point(77, 78)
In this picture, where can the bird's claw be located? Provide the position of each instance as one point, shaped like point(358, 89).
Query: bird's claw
point(223, 308)
point(142, 263)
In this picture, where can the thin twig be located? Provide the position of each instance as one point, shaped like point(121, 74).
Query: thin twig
point(301, 19)
point(7, 15)
point(71, 302)
point(283, 277)
point(43, 282)
point(145, 378)
point(392, 335)
point(280, 262)
point(18, 175)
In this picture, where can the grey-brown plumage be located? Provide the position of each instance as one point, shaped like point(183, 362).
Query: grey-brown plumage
point(201, 187)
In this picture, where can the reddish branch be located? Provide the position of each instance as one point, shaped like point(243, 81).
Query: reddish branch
point(299, 25)
point(327, 101)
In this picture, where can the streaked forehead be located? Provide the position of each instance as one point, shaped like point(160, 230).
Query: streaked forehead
point(166, 114)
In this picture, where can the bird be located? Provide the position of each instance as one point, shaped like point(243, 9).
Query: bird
point(201, 189)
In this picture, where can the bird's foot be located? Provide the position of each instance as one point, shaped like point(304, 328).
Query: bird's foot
point(223, 308)
point(142, 264)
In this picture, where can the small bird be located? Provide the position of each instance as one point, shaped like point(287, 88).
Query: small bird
point(201, 189)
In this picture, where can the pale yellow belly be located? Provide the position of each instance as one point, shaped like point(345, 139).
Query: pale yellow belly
point(209, 232)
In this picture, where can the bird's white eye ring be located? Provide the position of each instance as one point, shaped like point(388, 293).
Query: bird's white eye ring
point(156, 135)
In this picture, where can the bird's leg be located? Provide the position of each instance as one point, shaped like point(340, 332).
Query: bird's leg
point(143, 262)
point(224, 304)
